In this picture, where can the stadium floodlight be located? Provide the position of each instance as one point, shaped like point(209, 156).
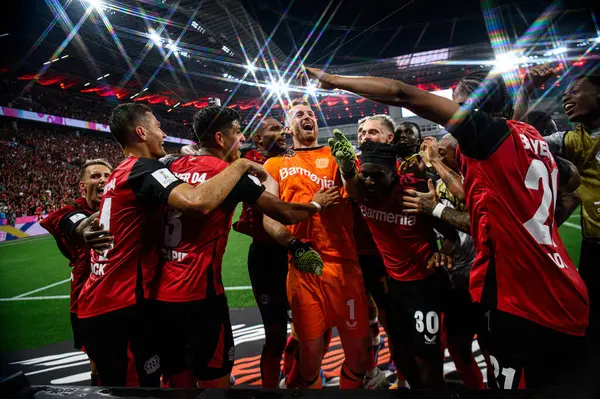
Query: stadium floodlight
point(155, 37)
point(87, 84)
point(97, 4)
point(145, 89)
point(107, 75)
point(556, 51)
point(250, 67)
point(176, 105)
point(225, 75)
point(64, 56)
point(278, 87)
point(506, 62)
point(311, 89)
point(595, 39)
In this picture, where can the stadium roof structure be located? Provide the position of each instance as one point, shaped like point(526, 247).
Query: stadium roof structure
point(180, 53)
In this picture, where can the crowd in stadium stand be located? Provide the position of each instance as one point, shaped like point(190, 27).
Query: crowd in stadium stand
point(64, 103)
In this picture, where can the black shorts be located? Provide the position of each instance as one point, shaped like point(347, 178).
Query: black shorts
point(417, 316)
point(77, 339)
point(106, 338)
point(527, 355)
point(196, 336)
point(268, 267)
point(375, 278)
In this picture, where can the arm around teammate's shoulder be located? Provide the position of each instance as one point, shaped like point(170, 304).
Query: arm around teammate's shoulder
point(206, 197)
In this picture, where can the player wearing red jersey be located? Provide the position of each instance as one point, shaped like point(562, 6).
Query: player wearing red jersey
point(197, 340)
point(337, 297)
point(511, 181)
point(407, 243)
point(267, 260)
point(112, 306)
point(63, 223)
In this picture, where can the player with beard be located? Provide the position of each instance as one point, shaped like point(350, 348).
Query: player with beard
point(62, 224)
point(537, 331)
point(378, 129)
point(267, 260)
point(337, 297)
point(197, 340)
point(113, 307)
point(581, 146)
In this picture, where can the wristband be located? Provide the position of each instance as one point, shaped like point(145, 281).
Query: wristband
point(437, 211)
point(317, 205)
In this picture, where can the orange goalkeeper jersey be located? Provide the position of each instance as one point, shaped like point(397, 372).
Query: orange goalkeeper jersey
point(300, 174)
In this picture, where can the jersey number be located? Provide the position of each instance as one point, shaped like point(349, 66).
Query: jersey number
point(105, 223)
point(172, 233)
point(536, 225)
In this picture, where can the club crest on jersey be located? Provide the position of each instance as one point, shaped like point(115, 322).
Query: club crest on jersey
point(322, 163)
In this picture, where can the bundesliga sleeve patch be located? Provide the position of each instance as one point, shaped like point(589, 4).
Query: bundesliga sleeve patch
point(77, 217)
point(164, 177)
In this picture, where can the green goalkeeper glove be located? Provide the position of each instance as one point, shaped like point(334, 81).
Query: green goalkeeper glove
point(305, 258)
point(343, 151)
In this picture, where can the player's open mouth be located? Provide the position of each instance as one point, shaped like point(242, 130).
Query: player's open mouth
point(100, 191)
point(568, 107)
point(308, 126)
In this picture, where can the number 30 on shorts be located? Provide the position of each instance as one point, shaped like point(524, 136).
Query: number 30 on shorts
point(431, 321)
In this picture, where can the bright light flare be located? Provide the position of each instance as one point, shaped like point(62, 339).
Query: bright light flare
point(508, 61)
point(311, 89)
point(155, 37)
point(250, 67)
point(95, 4)
point(278, 87)
point(556, 51)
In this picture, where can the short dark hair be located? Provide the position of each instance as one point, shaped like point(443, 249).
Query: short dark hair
point(411, 124)
point(592, 77)
point(211, 119)
point(124, 119)
point(257, 125)
point(92, 162)
point(493, 96)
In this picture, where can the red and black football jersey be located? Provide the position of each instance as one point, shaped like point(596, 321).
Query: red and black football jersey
point(132, 210)
point(193, 248)
point(521, 266)
point(61, 224)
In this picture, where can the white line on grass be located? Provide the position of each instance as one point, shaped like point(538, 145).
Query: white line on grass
point(49, 298)
point(573, 225)
point(43, 288)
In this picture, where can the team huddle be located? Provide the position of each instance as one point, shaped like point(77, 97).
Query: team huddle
point(436, 241)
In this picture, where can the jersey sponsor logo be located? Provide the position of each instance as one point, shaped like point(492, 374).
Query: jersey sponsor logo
point(388, 217)
point(164, 177)
point(77, 217)
point(170, 255)
point(322, 163)
point(192, 178)
point(296, 170)
point(98, 269)
point(539, 147)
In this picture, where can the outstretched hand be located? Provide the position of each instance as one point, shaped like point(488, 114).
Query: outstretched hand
point(94, 235)
point(343, 151)
point(416, 202)
point(324, 79)
point(327, 197)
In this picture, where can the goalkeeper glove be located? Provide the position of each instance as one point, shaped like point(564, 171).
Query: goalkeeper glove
point(305, 258)
point(343, 151)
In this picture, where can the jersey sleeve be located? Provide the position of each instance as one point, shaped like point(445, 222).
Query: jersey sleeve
point(70, 221)
point(480, 134)
point(151, 179)
point(272, 167)
point(556, 142)
point(247, 190)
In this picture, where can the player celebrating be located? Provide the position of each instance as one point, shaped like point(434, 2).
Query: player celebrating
point(62, 224)
point(510, 181)
point(112, 307)
point(267, 260)
point(337, 297)
point(197, 340)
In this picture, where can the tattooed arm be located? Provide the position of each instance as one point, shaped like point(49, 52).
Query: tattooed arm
point(458, 219)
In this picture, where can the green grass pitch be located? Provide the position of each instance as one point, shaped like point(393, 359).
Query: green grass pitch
point(31, 264)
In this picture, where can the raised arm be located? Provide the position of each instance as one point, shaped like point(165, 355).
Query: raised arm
point(392, 92)
point(451, 179)
point(534, 78)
